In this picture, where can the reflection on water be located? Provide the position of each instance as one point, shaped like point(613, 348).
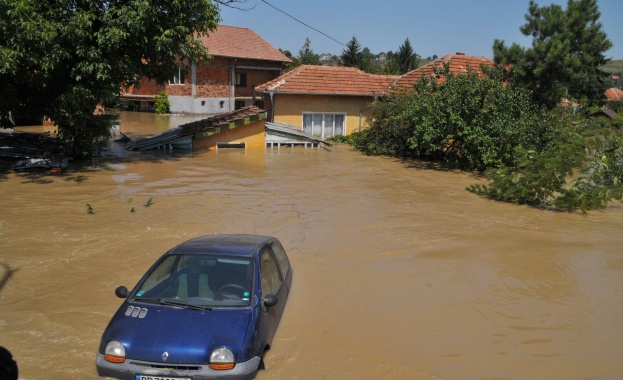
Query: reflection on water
point(141, 123)
point(398, 271)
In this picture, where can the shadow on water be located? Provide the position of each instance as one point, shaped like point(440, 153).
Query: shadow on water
point(79, 171)
point(7, 273)
point(411, 163)
point(134, 125)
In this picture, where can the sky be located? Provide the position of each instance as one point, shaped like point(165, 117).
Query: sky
point(433, 27)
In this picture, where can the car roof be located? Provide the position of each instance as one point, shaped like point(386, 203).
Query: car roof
point(227, 244)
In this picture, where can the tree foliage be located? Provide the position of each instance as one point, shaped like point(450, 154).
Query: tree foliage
point(406, 58)
point(581, 170)
point(62, 58)
point(161, 103)
point(403, 61)
point(352, 55)
point(466, 122)
point(567, 52)
point(289, 65)
point(306, 55)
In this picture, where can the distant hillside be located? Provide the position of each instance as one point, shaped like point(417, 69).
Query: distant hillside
point(614, 66)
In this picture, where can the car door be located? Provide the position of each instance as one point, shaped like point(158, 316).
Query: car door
point(284, 267)
point(271, 283)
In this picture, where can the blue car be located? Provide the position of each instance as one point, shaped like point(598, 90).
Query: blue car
point(208, 308)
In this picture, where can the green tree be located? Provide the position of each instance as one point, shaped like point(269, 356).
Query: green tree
point(368, 62)
point(351, 55)
point(406, 58)
point(392, 67)
point(581, 170)
point(465, 122)
point(306, 55)
point(161, 103)
point(62, 58)
point(567, 52)
point(291, 65)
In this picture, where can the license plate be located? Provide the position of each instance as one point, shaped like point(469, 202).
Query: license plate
point(150, 377)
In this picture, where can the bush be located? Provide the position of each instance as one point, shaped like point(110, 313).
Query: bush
point(161, 103)
point(467, 122)
point(589, 155)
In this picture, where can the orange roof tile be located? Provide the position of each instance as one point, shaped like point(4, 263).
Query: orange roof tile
point(234, 42)
point(329, 80)
point(458, 64)
point(614, 95)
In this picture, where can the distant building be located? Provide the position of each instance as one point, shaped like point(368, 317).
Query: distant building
point(326, 57)
point(614, 95)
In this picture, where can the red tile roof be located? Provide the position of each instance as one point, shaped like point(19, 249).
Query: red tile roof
point(458, 64)
point(329, 80)
point(614, 95)
point(234, 42)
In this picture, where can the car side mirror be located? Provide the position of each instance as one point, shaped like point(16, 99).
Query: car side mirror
point(121, 292)
point(270, 300)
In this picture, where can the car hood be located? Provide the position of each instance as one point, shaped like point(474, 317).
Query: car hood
point(186, 335)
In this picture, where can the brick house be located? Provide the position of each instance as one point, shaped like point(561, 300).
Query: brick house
point(241, 60)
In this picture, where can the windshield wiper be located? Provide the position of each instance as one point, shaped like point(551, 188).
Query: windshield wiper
point(172, 302)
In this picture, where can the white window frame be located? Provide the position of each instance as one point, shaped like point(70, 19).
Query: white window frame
point(178, 79)
point(322, 127)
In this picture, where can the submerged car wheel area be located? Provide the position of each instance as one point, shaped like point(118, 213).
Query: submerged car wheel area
point(208, 308)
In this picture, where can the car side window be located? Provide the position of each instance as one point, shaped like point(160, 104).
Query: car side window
point(269, 273)
point(280, 253)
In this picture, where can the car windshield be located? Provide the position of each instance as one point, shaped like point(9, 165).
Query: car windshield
point(198, 281)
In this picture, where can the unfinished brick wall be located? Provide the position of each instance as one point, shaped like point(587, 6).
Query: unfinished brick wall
point(146, 87)
point(214, 79)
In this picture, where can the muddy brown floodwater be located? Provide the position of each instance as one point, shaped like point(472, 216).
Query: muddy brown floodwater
point(399, 273)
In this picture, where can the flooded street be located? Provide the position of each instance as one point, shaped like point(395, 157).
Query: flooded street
point(399, 272)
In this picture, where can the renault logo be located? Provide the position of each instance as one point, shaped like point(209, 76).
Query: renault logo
point(165, 356)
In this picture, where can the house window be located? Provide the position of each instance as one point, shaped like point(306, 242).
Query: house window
point(178, 78)
point(259, 104)
point(241, 79)
point(238, 104)
point(325, 125)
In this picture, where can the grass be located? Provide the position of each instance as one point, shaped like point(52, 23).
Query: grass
point(614, 66)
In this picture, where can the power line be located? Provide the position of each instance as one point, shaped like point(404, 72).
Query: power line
point(311, 27)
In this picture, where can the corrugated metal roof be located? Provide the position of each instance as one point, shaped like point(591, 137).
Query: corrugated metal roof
point(604, 112)
point(291, 132)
